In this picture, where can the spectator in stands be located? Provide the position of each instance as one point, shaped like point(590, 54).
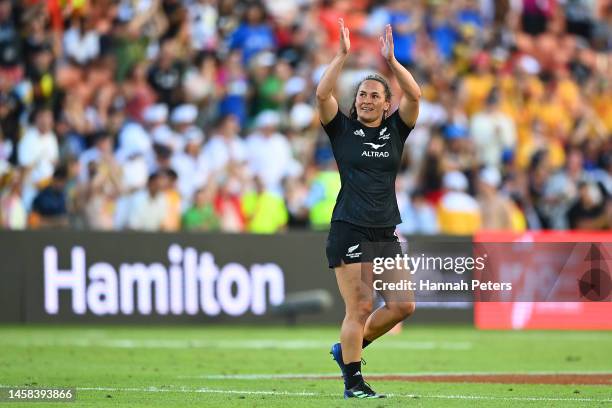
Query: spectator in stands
point(38, 152)
point(234, 87)
point(590, 211)
point(162, 157)
point(444, 30)
point(535, 15)
point(183, 120)
point(137, 91)
point(39, 75)
point(418, 215)
point(11, 109)
point(155, 124)
point(191, 166)
point(254, 33)
point(100, 193)
point(477, 85)
point(166, 74)
point(203, 19)
point(10, 49)
point(323, 192)
point(227, 203)
point(13, 213)
point(49, 208)
point(496, 211)
point(225, 146)
point(538, 173)
point(202, 215)
point(200, 80)
point(172, 219)
point(561, 190)
point(432, 169)
point(458, 212)
point(6, 150)
point(264, 210)
point(493, 132)
point(81, 40)
point(148, 207)
point(135, 174)
point(518, 86)
point(102, 150)
point(269, 78)
point(269, 153)
point(133, 138)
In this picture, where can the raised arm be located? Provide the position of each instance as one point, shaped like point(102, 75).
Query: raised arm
point(411, 92)
point(327, 106)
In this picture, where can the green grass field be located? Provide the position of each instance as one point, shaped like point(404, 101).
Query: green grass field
point(223, 366)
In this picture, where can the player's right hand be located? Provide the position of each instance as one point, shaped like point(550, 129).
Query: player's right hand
point(345, 41)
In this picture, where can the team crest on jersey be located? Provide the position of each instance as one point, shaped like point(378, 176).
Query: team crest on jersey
point(359, 132)
point(382, 134)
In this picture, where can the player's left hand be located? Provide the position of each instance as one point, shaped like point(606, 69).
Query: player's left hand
point(386, 44)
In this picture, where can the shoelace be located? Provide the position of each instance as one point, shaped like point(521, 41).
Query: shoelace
point(368, 388)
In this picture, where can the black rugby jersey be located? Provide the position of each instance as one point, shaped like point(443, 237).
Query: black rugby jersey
point(368, 161)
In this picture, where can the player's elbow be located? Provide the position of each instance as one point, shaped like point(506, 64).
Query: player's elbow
point(415, 94)
point(322, 96)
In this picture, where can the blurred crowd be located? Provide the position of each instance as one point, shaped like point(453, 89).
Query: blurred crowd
point(166, 115)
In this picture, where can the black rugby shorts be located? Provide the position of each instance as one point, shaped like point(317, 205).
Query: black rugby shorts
point(350, 243)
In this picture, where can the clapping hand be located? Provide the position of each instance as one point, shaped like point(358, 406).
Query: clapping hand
point(386, 44)
point(345, 41)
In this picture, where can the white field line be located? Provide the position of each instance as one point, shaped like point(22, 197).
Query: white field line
point(313, 394)
point(233, 344)
point(378, 375)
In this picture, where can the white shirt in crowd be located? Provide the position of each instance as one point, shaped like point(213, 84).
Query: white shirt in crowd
point(81, 47)
point(92, 154)
point(13, 214)
point(147, 213)
point(431, 114)
point(270, 158)
point(219, 151)
point(6, 149)
point(133, 139)
point(203, 18)
point(492, 132)
point(163, 134)
point(192, 174)
point(38, 151)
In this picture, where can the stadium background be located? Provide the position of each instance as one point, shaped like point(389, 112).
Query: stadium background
point(121, 119)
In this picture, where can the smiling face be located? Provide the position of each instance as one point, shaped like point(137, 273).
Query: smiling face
point(371, 103)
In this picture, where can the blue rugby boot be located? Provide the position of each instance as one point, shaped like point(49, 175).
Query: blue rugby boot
point(336, 352)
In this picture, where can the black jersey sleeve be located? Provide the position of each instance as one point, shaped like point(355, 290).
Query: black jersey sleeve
point(338, 125)
point(403, 130)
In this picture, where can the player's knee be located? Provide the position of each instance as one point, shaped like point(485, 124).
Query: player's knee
point(403, 309)
point(360, 311)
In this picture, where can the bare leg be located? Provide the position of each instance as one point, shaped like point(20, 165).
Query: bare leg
point(398, 306)
point(385, 318)
point(357, 296)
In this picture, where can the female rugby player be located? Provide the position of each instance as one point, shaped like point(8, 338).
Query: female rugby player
point(367, 146)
